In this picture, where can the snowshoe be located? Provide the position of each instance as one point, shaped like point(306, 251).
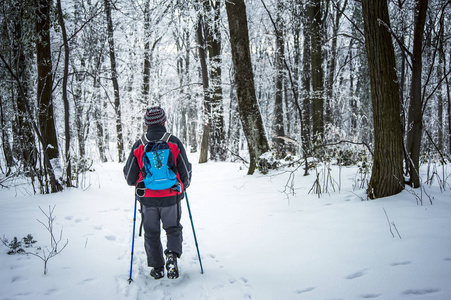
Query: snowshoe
point(157, 273)
point(171, 265)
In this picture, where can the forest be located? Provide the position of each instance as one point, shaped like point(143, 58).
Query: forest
point(266, 82)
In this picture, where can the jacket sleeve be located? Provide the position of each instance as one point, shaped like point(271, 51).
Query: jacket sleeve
point(131, 168)
point(184, 166)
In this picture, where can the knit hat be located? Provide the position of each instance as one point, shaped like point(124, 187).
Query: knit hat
point(154, 115)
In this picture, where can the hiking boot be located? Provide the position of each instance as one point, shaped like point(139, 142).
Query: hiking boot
point(171, 265)
point(157, 273)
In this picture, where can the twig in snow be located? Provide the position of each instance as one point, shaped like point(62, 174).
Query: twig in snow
point(393, 223)
point(53, 250)
point(390, 224)
point(388, 220)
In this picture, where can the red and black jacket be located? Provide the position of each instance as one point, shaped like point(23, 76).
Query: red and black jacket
point(133, 166)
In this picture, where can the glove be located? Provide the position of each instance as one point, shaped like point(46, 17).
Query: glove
point(176, 187)
point(140, 189)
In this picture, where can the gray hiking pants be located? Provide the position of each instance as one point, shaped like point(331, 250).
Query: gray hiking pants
point(152, 228)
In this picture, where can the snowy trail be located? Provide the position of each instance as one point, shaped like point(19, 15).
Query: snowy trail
point(254, 242)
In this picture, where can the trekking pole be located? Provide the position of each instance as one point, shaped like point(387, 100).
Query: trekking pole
point(194, 233)
point(133, 242)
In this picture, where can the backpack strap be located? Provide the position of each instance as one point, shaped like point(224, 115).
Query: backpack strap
point(166, 136)
point(144, 139)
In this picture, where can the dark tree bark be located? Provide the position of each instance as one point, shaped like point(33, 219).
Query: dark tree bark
point(440, 70)
point(146, 66)
point(317, 68)
point(387, 174)
point(203, 157)
point(448, 97)
point(297, 58)
point(7, 151)
point(306, 130)
point(250, 116)
point(278, 120)
point(49, 174)
point(24, 143)
point(65, 100)
point(415, 118)
point(45, 78)
point(117, 102)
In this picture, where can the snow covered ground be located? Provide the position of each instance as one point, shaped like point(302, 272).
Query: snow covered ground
point(255, 243)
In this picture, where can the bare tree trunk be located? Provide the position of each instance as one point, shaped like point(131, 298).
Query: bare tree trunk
point(352, 94)
point(7, 151)
point(203, 157)
point(440, 69)
point(101, 133)
point(217, 138)
point(297, 15)
point(402, 77)
point(146, 71)
point(448, 97)
point(387, 174)
point(65, 100)
point(250, 115)
point(278, 120)
point(55, 186)
point(306, 86)
point(330, 115)
point(24, 142)
point(45, 78)
point(317, 68)
point(234, 124)
point(191, 107)
point(117, 102)
point(415, 119)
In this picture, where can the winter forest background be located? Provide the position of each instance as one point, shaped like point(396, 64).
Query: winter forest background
point(358, 82)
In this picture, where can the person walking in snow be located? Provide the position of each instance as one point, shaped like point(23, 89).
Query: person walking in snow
point(160, 205)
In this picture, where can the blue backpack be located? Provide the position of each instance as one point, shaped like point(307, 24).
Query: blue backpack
point(159, 171)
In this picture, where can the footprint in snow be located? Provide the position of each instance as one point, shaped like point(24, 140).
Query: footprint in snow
point(401, 263)
point(16, 267)
point(420, 292)
point(18, 278)
point(371, 296)
point(110, 210)
point(110, 237)
point(88, 280)
point(213, 257)
point(218, 286)
point(51, 292)
point(305, 290)
point(247, 293)
point(356, 274)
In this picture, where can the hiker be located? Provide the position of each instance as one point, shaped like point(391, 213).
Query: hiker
point(160, 204)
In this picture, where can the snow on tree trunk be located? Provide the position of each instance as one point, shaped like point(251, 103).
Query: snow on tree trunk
point(248, 108)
